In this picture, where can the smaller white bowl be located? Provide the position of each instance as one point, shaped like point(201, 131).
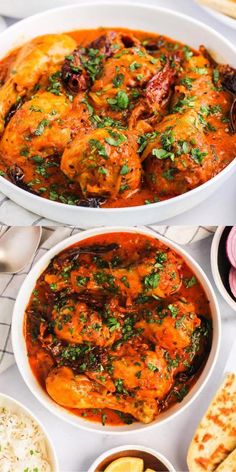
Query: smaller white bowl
point(17, 407)
point(129, 450)
point(216, 251)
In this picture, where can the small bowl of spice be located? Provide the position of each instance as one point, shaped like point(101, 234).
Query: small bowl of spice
point(131, 459)
point(223, 263)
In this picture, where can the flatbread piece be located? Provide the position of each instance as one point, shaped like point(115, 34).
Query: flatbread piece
point(215, 437)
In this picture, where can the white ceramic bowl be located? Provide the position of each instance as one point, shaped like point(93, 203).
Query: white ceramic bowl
point(17, 407)
point(126, 451)
point(20, 351)
point(142, 17)
point(219, 263)
point(19, 9)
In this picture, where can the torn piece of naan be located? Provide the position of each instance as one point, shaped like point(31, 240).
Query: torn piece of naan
point(229, 464)
point(215, 437)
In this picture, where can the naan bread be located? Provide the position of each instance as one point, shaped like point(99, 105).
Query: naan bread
point(228, 7)
point(215, 436)
point(229, 464)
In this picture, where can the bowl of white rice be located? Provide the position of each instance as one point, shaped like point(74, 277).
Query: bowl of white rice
point(24, 443)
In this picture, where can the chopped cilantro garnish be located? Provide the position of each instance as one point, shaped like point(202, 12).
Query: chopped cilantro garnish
point(173, 309)
point(41, 127)
point(120, 102)
point(55, 86)
point(124, 170)
point(187, 52)
point(163, 154)
point(187, 82)
point(115, 139)
point(197, 155)
point(97, 146)
point(200, 70)
point(185, 102)
point(169, 174)
point(151, 280)
point(190, 282)
point(118, 80)
point(152, 367)
point(82, 281)
point(144, 139)
point(102, 170)
point(135, 65)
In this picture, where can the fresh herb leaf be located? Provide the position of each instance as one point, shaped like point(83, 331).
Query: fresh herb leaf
point(190, 282)
point(120, 102)
point(41, 127)
point(124, 170)
point(115, 139)
point(152, 367)
point(163, 154)
point(118, 80)
point(151, 281)
point(187, 82)
point(197, 155)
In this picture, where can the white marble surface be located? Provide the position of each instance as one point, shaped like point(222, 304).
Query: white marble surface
point(76, 449)
point(220, 207)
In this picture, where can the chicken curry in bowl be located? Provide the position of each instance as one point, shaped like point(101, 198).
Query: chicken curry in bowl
point(114, 118)
point(118, 328)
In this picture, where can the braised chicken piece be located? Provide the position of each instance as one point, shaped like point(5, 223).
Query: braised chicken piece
point(154, 278)
point(124, 73)
point(81, 68)
point(170, 327)
point(77, 391)
point(196, 79)
point(37, 135)
point(76, 323)
point(42, 127)
point(104, 162)
point(142, 373)
point(77, 120)
point(36, 59)
point(38, 127)
point(179, 157)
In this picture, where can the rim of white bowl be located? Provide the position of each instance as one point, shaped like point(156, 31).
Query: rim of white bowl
point(215, 268)
point(29, 413)
point(119, 210)
point(129, 447)
point(19, 345)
